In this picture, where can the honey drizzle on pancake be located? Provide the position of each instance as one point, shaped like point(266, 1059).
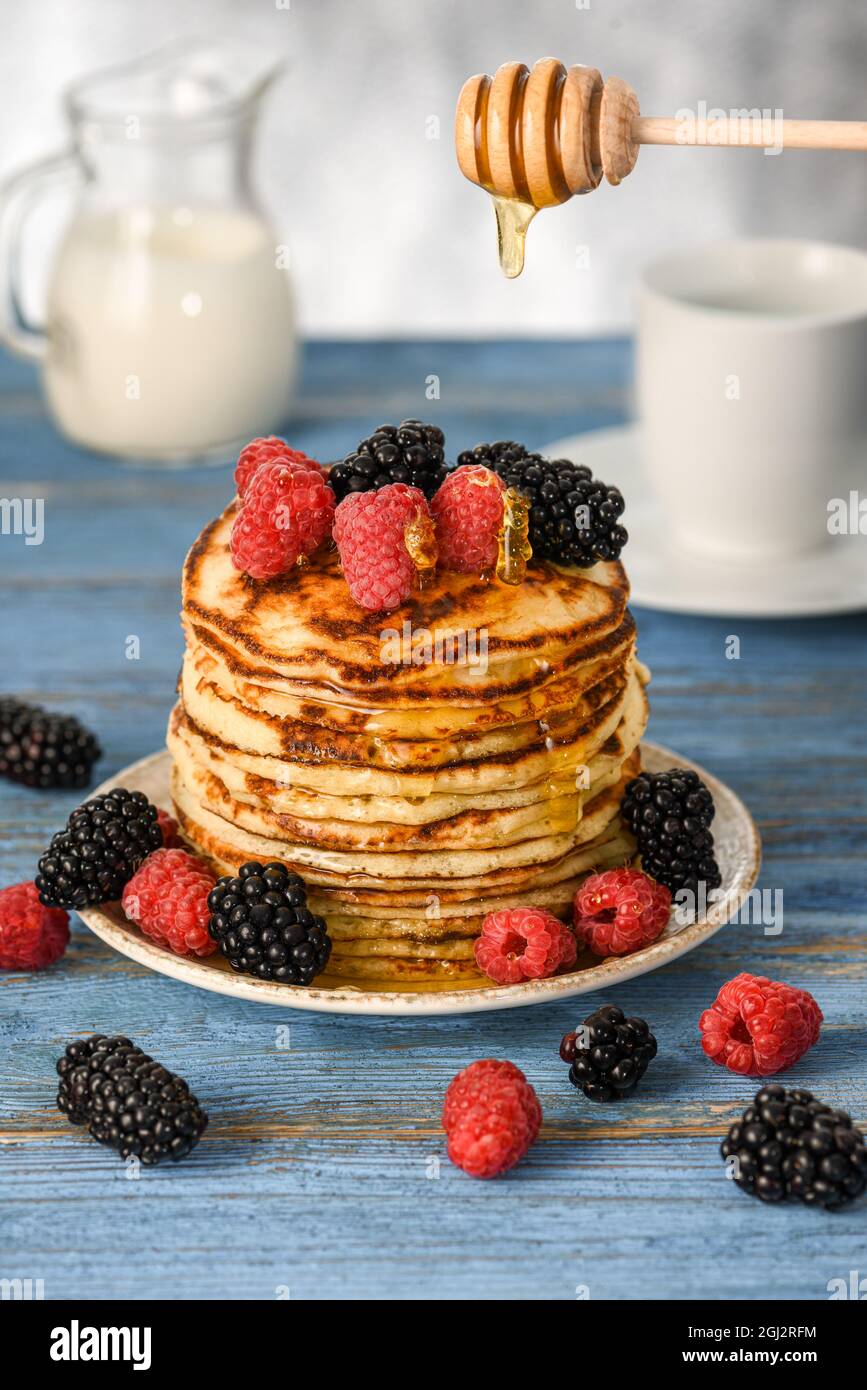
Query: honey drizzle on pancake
point(420, 540)
point(514, 548)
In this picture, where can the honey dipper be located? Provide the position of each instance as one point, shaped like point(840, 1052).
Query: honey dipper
point(532, 139)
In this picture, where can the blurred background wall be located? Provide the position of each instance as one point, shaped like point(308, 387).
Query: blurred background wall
point(386, 237)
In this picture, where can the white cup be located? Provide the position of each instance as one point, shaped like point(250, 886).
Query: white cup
point(752, 390)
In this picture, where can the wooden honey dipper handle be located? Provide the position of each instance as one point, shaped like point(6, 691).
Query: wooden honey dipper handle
point(539, 136)
point(751, 132)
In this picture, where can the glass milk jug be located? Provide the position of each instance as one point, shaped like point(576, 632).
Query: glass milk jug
point(169, 332)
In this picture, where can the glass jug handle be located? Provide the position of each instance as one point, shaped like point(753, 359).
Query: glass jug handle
point(18, 196)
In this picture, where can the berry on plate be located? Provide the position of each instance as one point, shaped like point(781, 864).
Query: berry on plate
point(286, 513)
point(171, 830)
point(42, 749)
point(608, 1054)
point(574, 518)
point(491, 1116)
point(620, 911)
point(468, 512)
point(267, 450)
point(104, 842)
point(385, 539)
point(411, 452)
point(168, 899)
point(788, 1144)
point(670, 813)
point(523, 943)
point(264, 927)
point(757, 1026)
point(127, 1100)
point(31, 935)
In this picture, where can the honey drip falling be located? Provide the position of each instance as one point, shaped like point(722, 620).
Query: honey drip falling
point(513, 219)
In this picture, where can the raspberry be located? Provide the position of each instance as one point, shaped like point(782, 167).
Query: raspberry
point(169, 826)
point(757, 1026)
point(620, 911)
point(370, 531)
point(269, 450)
point(523, 943)
point(168, 899)
point(491, 1115)
point(464, 1087)
point(31, 936)
point(468, 511)
point(287, 512)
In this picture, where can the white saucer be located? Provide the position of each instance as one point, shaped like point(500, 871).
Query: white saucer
point(664, 575)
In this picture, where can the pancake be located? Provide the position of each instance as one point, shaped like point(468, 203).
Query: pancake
point(614, 845)
point(381, 822)
point(252, 686)
point(232, 768)
point(225, 716)
point(394, 972)
point(219, 720)
point(225, 840)
point(420, 769)
point(304, 626)
point(268, 725)
point(433, 865)
point(227, 719)
point(550, 805)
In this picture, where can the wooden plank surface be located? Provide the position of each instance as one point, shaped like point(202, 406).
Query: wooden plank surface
point(323, 1170)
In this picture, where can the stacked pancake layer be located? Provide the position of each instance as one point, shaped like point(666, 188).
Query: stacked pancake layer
point(419, 769)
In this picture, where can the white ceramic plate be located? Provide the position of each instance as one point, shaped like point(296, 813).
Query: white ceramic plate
point(738, 853)
point(662, 574)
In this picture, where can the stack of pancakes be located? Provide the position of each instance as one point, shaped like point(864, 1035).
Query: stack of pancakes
point(418, 769)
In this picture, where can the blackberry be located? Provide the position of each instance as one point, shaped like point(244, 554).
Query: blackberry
point(264, 926)
point(410, 452)
point(574, 518)
point(609, 1054)
point(670, 813)
point(40, 749)
point(104, 842)
point(788, 1144)
point(127, 1100)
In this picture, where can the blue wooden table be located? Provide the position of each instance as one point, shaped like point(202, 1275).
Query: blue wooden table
point(323, 1171)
